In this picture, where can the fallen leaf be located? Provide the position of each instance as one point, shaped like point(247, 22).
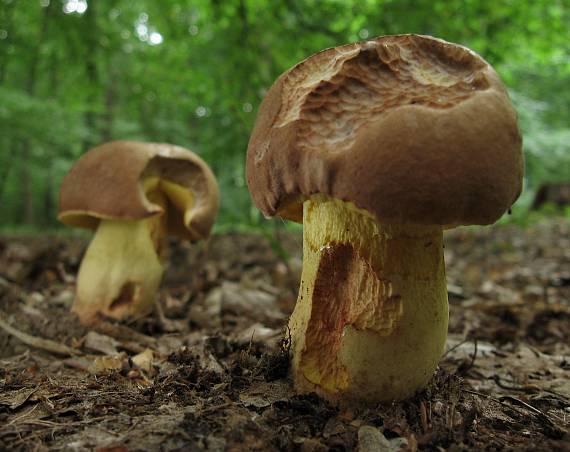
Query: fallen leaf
point(100, 343)
point(144, 360)
point(103, 364)
point(15, 399)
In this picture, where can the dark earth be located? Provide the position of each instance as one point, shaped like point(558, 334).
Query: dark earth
point(209, 369)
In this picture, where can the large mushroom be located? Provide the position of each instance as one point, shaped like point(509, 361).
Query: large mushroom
point(134, 195)
point(377, 147)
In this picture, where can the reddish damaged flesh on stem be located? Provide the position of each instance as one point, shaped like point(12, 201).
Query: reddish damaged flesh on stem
point(347, 291)
point(371, 318)
point(130, 292)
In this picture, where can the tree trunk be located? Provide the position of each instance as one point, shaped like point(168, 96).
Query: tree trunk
point(5, 168)
point(48, 207)
point(6, 19)
point(48, 194)
point(26, 164)
point(92, 72)
point(26, 180)
point(111, 100)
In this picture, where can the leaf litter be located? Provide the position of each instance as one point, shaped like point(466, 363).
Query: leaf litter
point(208, 371)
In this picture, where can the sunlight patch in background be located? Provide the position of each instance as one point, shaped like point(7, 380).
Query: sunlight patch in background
point(74, 6)
point(201, 111)
point(145, 32)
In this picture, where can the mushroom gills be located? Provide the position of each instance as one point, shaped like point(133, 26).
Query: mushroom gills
point(161, 191)
point(371, 319)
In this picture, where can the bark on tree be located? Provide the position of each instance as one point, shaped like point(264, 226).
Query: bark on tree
point(48, 189)
point(6, 19)
point(92, 72)
point(26, 144)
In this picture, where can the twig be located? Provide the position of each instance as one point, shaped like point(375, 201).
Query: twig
point(121, 333)
point(450, 419)
point(474, 353)
point(501, 400)
point(469, 366)
point(214, 408)
point(534, 410)
point(519, 387)
point(465, 367)
point(481, 394)
point(26, 414)
point(424, 417)
point(37, 342)
point(464, 341)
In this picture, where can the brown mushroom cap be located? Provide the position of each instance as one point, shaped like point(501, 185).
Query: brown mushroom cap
point(411, 128)
point(107, 183)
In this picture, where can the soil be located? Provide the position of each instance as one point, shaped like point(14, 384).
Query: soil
point(209, 369)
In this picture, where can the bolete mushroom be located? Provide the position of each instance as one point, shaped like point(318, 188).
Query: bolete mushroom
point(376, 147)
point(134, 195)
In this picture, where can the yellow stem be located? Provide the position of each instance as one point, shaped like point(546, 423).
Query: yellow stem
point(120, 272)
point(371, 318)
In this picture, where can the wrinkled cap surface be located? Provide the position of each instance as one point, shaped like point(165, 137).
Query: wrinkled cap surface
point(107, 182)
point(411, 128)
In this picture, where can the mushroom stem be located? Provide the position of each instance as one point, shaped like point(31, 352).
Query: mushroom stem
point(371, 319)
point(121, 270)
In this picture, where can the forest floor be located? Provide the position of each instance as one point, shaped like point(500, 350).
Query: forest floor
point(209, 369)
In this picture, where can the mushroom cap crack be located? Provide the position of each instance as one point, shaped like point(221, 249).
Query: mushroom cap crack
point(108, 182)
point(412, 129)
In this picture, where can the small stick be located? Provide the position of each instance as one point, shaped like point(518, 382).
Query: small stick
point(424, 416)
point(501, 400)
point(470, 365)
point(37, 342)
point(121, 332)
point(532, 409)
point(464, 341)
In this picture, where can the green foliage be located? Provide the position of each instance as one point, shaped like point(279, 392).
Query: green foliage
point(547, 146)
point(526, 218)
point(194, 72)
point(24, 116)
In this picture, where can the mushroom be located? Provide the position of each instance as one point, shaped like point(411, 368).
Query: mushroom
point(377, 147)
point(133, 195)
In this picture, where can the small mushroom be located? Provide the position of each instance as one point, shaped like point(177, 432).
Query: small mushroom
point(134, 195)
point(376, 147)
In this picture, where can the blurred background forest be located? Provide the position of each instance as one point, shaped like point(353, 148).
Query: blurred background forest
point(76, 73)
